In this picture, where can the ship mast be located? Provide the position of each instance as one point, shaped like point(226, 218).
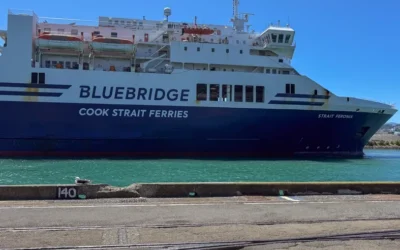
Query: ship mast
point(239, 20)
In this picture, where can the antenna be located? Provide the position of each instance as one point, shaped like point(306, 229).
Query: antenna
point(235, 8)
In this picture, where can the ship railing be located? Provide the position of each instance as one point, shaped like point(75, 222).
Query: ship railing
point(21, 12)
point(67, 21)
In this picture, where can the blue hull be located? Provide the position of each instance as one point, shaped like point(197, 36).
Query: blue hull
point(57, 129)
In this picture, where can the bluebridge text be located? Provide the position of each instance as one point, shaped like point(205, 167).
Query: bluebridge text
point(130, 93)
point(151, 113)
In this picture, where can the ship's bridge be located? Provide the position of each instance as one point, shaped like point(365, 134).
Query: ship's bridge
point(278, 39)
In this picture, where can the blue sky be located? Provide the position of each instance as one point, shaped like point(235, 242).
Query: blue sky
point(348, 46)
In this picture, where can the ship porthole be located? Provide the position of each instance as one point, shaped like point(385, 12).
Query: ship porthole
point(307, 147)
point(327, 147)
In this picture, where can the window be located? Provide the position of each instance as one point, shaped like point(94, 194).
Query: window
point(227, 50)
point(259, 93)
point(96, 33)
point(114, 34)
point(34, 76)
point(237, 41)
point(74, 32)
point(315, 92)
point(42, 78)
point(53, 64)
point(68, 65)
point(287, 38)
point(285, 72)
point(201, 92)
point(238, 93)
point(274, 71)
point(123, 22)
point(214, 92)
point(227, 92)
point(281, 60)
point(60, 30)
point(47, 64)
point(290, 88)
point(128, 23)
point(198, 48)
point(46, 29)
point(185, 48)
point(249, 94)
point(212, 50)
point(268, 71)
point(273, 38)
point(280, 39)
point(241, 51)
point(116, 22)
point(75, 65)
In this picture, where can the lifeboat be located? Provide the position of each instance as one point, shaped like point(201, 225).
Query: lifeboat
point(59, 41)
point(101, 43)
point(198, 31)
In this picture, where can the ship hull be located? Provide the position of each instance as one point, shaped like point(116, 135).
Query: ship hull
point(66, 129)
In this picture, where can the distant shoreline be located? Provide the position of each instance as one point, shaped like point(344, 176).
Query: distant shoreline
point(382, 147)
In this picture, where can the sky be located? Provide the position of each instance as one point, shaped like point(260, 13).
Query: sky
point(348, 46)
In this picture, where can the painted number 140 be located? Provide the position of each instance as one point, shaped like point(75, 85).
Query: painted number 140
point(66, 193)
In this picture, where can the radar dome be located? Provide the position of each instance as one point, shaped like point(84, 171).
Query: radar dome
point(167, 11)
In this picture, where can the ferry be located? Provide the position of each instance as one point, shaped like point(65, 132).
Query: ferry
point(134, 87)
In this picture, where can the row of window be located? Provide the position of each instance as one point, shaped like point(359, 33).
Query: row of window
point(61, 64)
point(225, 92)
point(277, 71)
point(212, 50)
point(280, 37)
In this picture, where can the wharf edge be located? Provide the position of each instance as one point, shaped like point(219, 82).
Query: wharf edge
point(180, 190)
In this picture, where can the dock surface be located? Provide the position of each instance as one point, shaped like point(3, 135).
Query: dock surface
point(253, 222)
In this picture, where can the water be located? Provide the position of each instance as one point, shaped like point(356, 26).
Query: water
point(378, 165)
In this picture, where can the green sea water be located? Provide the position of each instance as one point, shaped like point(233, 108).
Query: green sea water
point(378, 165)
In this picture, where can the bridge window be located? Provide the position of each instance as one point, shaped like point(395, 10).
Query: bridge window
point(285, 72)
point(273, 38)
point(280, 39)
point(114, 34)
point(249, 94)
point(238, 93)
point(290, 88)
point(259, 93)
point(214, 92)
point(227, 92)
point(287, 38)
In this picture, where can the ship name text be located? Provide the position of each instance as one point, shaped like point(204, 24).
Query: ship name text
point(119, 112)
point(334, 116)
point(131, 93)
